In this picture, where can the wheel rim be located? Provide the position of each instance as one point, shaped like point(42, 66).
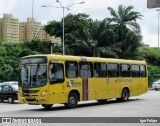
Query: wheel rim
point(72, 100)
point(10, 100)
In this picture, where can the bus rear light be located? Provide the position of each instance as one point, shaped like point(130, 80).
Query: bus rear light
point(43, 93)
point(17, 93)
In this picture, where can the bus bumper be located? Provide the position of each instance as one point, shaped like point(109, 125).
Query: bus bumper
point(34, 101)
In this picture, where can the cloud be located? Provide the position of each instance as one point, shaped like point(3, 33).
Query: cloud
point(97, 9)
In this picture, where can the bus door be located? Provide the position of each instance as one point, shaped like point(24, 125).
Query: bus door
point(101, 87)
point(57, 79)
point(136, 81)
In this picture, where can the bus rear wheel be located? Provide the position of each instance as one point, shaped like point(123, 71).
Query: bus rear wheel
point(47, 106)
point(72, 101)
point(124, 96)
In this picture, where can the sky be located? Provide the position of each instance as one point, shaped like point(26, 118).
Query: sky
point(97, 9)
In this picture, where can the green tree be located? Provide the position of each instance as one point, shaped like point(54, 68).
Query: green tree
point(72, 23)
point(96, 40)
point(37, 46)
point(128, 32)
point(54, 28)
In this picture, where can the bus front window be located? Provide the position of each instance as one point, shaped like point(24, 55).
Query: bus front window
point(33, 75)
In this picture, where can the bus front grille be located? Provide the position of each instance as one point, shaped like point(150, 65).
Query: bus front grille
point(30, 91)
point(31, 100)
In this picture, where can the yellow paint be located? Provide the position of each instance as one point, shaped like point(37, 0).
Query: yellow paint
point(98, 88)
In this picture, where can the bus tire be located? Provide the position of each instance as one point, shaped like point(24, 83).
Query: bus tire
point(72, 101)
point(124, 96)
point(47, 106)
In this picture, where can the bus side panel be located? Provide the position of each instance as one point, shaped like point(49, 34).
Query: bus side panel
point(57, 93)
point(73, 84)
point(144, 85)
point(101, 88)
point(125, 83)
point(87, 89)
point(112, 87)
point(120, 84)
point(116, 85)
point(135, 86)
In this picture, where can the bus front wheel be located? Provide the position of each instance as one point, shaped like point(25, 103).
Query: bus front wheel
point(47, 106)
point(124, 96)
point(72, 101)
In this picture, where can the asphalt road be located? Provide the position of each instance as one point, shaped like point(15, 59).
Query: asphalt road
point(146, 105)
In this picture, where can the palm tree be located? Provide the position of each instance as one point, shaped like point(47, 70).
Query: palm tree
point(96, 39)
point(126, 27)
point(125, 17)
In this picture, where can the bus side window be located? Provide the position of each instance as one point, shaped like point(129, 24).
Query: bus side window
point(86, 69)
point(143, 70)
point(124, 70)
point(56, 72)
point(135, 71)
point(71, 69)
point(100, 70)
point(113, 70)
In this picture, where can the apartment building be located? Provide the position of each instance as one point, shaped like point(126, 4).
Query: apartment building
point(22, 32)
point(33, 27)
point(13, 30)
point(9, 28)
point(42, 34)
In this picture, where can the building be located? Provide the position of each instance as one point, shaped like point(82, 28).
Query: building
point(9, 28)
point(12, 30)
point(29, 30)
point(33, 27)
point(42, 34)
point(22, 32)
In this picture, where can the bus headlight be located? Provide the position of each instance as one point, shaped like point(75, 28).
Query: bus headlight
point(43, 93)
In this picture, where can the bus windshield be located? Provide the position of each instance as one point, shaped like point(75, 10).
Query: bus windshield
point(33, 75)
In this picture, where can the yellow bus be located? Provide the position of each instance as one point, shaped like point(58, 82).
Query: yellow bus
point(59, 79)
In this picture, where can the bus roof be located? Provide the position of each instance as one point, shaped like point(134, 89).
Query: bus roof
point(84, 58)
